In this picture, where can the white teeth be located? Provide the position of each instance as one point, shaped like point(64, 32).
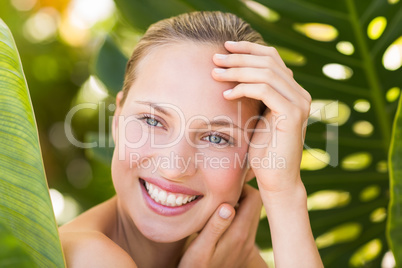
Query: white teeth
point(171, 200)
point(154, 193)
point(166, 198)
point(162, 196)
point(179, 200)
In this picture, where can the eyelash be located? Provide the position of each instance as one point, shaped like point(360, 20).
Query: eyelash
point(146, 117)
point(228, 140)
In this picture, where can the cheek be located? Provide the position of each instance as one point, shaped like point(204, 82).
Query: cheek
point(226, 179)
point(132, 133)
point(133, 138)
point(131, 143)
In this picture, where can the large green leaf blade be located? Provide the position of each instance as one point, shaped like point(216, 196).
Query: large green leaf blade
point(25, 206)
point(395, 213)
point(11, 252)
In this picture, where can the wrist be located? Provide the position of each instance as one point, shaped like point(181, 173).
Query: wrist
point(294, 194)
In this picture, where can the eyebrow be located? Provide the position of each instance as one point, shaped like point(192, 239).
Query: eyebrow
point(223, 123)
point(154, 106)
point(213, 123)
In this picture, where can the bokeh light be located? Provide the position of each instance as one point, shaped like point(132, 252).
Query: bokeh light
point(392, 59)
point(42, 26)
point(345, 47)
point(262, 10)
point(327, 199)
point(23, 5)
point(337, 71)
point(317, 31)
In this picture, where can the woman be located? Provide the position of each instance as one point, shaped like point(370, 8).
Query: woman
point(205, 107)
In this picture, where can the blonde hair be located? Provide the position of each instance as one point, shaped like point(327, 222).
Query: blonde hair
point(211, 27)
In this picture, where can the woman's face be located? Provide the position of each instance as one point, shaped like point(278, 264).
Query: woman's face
point(180, 146)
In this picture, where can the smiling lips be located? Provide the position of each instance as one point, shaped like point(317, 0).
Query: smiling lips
point(167, 198)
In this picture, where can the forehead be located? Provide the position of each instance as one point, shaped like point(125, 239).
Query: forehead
point(179, 74)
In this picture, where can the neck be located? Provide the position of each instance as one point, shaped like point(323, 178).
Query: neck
point(145, 252)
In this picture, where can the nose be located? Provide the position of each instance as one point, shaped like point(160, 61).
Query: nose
point(177, 161)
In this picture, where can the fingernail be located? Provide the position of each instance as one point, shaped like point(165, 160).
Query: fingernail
point(225, 213)
point(219, 70)
point(227, 92)
point(221, 56)
point(231, 42)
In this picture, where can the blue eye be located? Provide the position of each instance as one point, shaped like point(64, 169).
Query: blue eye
point(215, 139)
point(219, 139)
point(153, 122)
point(150, 120)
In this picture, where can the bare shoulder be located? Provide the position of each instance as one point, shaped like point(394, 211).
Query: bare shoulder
point(93, 249)
point(86, 243)
point(101, 218)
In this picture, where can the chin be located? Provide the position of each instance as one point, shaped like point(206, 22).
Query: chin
point(163, 234)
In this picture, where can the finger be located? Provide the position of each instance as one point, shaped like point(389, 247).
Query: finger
point(243, 230)
point(213, 230)
point(263, 92)
point(247, 60)
point(290, 72)
point(245, 47)
point(276, 77)
point(252, 75)
point(243, 60)
point(248, 214)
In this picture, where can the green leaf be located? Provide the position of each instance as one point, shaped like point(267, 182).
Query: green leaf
point(25, 206)
point(352, 127)
point(12, 254)
point(103, 152)
point(110, 64)
point(395, 214)
point(138, 12)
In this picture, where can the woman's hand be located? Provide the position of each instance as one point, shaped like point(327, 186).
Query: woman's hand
point(278, 138)
point(228, 240)
point(276, 146)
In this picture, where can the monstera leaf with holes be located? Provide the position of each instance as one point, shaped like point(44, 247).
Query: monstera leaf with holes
point(28, 230)
point(339, 51)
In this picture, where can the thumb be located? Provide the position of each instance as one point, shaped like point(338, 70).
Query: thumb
point(217, 224)
point(203, 246)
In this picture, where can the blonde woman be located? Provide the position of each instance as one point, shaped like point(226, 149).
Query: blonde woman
point(206, 106)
